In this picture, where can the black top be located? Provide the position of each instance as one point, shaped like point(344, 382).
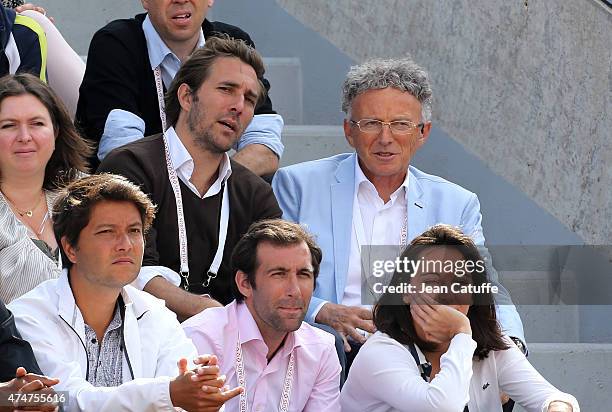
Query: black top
point(14, 351)
point(119, 76)
point(251, 199)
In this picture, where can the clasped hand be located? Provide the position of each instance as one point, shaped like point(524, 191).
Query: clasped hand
point(202, 388)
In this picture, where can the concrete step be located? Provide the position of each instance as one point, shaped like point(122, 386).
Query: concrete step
point(579, 368)
point(285, 76)
point(303, 143)
point(550, 323)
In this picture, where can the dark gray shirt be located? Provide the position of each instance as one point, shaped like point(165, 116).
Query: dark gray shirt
point(105, 358)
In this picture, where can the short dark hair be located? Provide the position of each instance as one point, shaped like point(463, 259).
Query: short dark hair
point(73, 205)
point(197, 67)
point(393, 317)
point(277, 232)
point(69, 159)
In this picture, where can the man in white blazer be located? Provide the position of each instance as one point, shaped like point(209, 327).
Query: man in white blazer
point(374, 196)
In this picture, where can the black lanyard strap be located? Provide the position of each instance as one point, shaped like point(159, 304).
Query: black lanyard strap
point(424, 368)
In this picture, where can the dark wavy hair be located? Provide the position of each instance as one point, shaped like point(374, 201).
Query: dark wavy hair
point(74, 203)
point(277, 232)
point(392, 316)
point(69, 159)
point(196, 69)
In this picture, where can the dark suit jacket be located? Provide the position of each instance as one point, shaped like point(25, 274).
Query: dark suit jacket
point(14, 351)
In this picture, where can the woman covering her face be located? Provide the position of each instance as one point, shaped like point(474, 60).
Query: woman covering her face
point(40, 151)
point(439, 346)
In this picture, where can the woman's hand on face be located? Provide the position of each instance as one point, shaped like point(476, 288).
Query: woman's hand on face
point(440, 323)
point(560, 406)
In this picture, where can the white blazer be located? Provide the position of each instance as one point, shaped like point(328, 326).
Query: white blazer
point(50, 320)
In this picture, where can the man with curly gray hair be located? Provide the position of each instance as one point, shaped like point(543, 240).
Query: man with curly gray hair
point(401, 74)
point(373, 196)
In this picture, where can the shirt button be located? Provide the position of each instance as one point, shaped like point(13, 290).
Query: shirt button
point(93, 340)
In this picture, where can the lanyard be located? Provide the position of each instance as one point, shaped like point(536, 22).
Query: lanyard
point(424, 368)
point(176, 188)
point(283, 405)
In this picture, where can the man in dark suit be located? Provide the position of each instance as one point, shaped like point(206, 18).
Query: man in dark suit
point(16, 359)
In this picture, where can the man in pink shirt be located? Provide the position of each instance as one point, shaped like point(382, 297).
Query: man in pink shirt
point(260, 340)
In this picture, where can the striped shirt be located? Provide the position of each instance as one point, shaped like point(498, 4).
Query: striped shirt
point(23, 265)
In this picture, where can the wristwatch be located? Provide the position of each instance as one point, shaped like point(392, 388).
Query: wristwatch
point(519, 344)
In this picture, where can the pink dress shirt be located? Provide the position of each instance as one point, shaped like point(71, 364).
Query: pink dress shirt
point(316, 376)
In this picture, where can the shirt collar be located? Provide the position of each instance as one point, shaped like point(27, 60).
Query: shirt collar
point(67, 304)
point(360, 177)
point(246, 324)
point(117, 320)
point(180, 157)
point(361, 180)
point(156, 47)
point(249, 330)
point(225, 168)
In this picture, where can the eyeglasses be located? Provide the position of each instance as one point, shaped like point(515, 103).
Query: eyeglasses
point(396, 126)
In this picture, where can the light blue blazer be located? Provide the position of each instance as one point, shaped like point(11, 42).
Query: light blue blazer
point(320, 193)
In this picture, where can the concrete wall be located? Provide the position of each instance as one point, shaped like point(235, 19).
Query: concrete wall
point(79, 20)
point(525, 85)
point(276, 33)
point(579, 369)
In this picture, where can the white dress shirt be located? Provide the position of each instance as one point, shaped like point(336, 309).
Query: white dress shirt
point(183, 164)
point(380, 223)
point(385, 378)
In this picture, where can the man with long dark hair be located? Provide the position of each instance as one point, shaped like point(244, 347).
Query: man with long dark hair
point(118, 101)
point(206, 199)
